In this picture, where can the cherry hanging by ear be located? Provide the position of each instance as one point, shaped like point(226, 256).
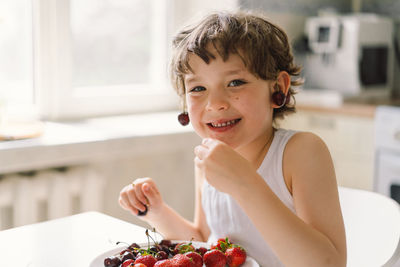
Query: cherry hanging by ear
point(279, 98)
point(183, 118)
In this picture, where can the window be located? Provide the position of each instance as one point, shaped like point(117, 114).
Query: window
point(16, 82)
point(110, 42)
point(101, 57)
point(75, 59)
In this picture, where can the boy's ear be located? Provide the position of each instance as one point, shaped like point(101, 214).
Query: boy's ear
point(280, 90)
point(283, 81)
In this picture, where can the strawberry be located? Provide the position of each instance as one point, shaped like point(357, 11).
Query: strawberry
point(128, 263)
point(197, 259)
point(222, 244)
point(164, 263)
point(147, 260)
point(214, 258)
point(181, 260)
point(201, 250)
point(138, 265)
point(235, 256)
point(182, 248)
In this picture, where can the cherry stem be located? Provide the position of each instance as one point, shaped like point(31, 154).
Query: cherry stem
point(121, 242)
point(149, 236)
point(148, 240)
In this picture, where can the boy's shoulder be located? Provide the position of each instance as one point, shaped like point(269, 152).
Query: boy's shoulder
point(301, 136)
point(305, 145)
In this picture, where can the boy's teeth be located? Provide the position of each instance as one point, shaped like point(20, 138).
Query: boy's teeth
point(223, 124)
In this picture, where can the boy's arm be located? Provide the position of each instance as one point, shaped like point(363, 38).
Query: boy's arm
point(173, 226)
point(315, 237)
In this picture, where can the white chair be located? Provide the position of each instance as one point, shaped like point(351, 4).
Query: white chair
point(372, 223)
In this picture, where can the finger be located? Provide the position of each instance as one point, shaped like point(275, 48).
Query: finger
point(123, 199)
point(139, 193)
point(201, 151)
point(198, 162)
point(134, 201)
point(151, 193)
point(206, 141)
point(125, 203)
point(122, 203)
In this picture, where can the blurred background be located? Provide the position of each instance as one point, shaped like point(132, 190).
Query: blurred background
point(86, 106)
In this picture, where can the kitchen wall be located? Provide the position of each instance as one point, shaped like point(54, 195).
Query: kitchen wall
point(389, 8)
point(291, 15)
point(304, 7)
point(384, 7)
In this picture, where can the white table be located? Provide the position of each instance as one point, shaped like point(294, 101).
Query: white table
point(67, 242)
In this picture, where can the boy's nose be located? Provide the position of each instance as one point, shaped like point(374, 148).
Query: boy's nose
point(217, 101)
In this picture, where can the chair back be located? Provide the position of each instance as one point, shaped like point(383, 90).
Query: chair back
point(372, 224)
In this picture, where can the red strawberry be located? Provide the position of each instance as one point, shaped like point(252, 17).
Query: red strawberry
point(214, 258)
point(127, 263)
point(181, 260)
point(235, 256)
point(138, 265)
point(182, 248)
point(164, 263)
point(201, 250)
point(197, 259)
point(222, 244)
point(147, 260)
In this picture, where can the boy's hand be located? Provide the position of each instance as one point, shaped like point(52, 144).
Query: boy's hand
point(223, 167)
point(142, 194)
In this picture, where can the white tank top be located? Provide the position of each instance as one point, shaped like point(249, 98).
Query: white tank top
point(225, 217)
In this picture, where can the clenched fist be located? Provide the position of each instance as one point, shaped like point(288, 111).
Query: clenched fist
point(141, 197)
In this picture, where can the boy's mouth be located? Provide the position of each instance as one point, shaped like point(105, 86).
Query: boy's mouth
point(223, 124)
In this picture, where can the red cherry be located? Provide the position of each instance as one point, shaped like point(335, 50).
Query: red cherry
point(112, 261)
point(183, 118)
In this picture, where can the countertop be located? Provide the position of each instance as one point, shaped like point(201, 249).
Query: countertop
point(80, 142)
point(332, 102)
point(347, 109)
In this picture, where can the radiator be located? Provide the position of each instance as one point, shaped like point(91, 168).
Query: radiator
point(42, 195)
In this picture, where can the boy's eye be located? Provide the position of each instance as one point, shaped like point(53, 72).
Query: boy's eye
point(197, 89)
point(235, 83)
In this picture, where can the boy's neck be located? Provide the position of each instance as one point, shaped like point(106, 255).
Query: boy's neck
point(256, 151)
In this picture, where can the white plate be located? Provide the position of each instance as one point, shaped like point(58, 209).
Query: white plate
point(99, 260)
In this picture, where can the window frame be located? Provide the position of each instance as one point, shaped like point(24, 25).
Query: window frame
point(12, 103)
point(52, 69)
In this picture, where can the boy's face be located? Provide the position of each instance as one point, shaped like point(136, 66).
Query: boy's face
point(227, 102)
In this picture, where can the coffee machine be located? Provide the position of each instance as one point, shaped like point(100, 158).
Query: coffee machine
point(351, 54)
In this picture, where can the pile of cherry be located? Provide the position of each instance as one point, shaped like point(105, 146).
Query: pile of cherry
point(168, 254)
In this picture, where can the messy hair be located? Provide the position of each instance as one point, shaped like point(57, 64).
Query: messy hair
point(263, 47)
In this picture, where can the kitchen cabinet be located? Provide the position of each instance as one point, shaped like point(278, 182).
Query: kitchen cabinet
point(350, 139)
point(387, 152)
point(388, 174)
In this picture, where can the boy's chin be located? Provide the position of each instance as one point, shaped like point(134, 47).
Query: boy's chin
point(226, 141)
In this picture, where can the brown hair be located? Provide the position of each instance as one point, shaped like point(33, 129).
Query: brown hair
point(263, 47)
